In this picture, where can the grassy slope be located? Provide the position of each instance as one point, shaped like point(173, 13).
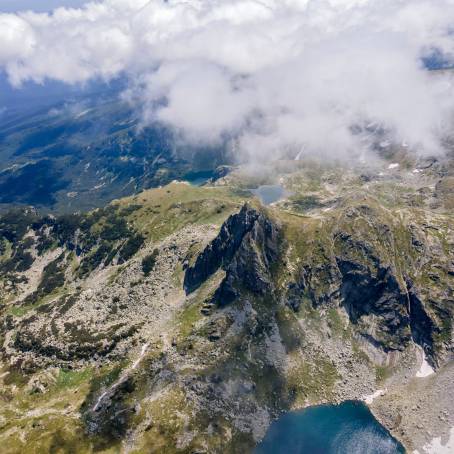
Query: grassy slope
point(31, 422)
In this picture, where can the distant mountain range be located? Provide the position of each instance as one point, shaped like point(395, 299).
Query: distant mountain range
point(66, 149)
point(78, 155)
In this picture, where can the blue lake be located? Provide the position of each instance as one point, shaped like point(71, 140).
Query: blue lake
point(269, 193)
point(349, 428)
point(199, 178)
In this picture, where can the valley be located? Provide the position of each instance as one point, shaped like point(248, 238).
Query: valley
point(82, 153)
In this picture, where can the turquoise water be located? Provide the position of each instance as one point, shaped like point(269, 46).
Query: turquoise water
point(199, 178)
point(270, 193)
point(349, 428)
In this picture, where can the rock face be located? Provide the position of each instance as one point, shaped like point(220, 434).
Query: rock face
point(382, 302)
point(365, 293)
point(386, 296)
point(246, 248)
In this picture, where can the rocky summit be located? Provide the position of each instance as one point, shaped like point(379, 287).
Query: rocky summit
point(187, 319)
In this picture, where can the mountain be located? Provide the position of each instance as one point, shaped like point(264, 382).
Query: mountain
point(83, 153)
point(186, 319)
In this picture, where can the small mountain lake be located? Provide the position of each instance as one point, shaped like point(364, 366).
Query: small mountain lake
point(348, 428)
point(270, 193)
point(199, 178)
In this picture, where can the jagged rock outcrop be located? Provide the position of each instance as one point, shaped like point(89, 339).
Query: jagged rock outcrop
point(424, 329)
point(353, 270)
point(246, 249)
point(369, 287)
point(357, 268)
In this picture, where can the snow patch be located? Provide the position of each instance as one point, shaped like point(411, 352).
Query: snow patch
point(426, 369)
point(394, 165)
point(436, 446)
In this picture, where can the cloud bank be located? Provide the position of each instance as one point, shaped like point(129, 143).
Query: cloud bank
point(274, 77)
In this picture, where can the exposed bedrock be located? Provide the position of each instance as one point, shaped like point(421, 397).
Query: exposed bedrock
point(385, 306)
point(246, 248)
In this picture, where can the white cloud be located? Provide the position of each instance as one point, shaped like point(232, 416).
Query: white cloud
point(276, 75)
point(200, 98)
point(17, 39)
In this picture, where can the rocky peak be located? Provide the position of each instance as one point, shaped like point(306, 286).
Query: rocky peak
point(245, 248)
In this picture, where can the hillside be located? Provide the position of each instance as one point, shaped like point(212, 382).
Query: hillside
point(82, 154)
point(185, 319)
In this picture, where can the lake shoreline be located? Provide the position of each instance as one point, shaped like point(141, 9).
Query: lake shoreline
point(326, 428)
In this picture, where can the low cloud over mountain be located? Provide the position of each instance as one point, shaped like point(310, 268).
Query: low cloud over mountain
point(272, 76)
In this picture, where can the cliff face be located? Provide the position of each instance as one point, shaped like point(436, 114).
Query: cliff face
point(381, 293)
point(246, 248)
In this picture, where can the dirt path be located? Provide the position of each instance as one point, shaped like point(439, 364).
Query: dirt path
point(123, 377)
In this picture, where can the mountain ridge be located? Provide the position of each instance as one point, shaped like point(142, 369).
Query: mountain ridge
point(212, 298)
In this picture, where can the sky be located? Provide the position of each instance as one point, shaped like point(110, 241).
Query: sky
point(11, 6)
point(271, 76)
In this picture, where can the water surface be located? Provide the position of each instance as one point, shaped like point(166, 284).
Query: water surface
point(349, 428)
point(199, 178)
point(270, 193)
